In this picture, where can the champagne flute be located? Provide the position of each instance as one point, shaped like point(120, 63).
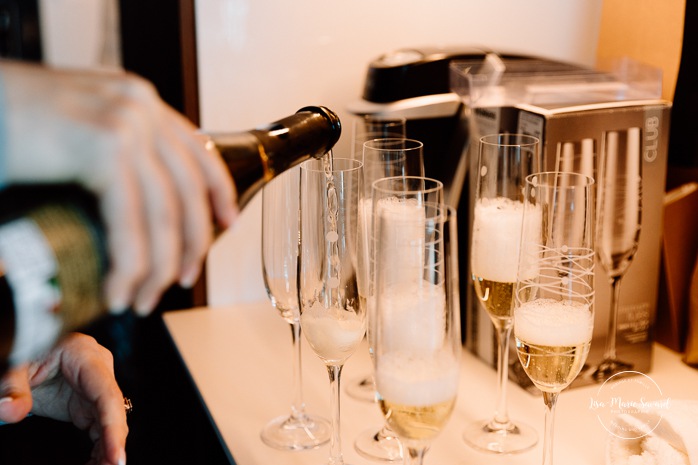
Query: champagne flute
point(619, 222)
point(365, 128)
point(382, 158)
point(417, 318)
point(504, 162)
point(332, 315)
point(297, 431)
point(554, 292)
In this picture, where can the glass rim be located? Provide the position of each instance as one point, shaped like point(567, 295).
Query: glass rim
point(436, 184)
point(379, 118)
point(307, 165)
point(526, 140)
point(417, 144)
point(532, 178)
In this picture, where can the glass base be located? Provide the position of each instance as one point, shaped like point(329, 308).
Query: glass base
point(608, 368)
point(380, 445)
point(303, 433)
point(363, 389)
point(501, 438)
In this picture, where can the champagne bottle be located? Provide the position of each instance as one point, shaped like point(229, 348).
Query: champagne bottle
point(52, 242)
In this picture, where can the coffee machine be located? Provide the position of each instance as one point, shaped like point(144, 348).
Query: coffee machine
point(414, 83)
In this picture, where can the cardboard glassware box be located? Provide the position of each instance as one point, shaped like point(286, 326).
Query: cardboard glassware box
point(571, 112)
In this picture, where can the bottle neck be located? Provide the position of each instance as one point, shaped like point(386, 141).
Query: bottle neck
point(245, 159)
point(255, 157)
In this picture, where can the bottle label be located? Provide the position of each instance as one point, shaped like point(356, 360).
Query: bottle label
point(31, 269)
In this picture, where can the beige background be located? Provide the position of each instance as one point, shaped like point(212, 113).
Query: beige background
point(649, 31)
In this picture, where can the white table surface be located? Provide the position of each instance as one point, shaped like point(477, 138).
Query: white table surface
point(239, 357)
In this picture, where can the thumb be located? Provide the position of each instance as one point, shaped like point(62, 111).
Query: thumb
point(15, 395)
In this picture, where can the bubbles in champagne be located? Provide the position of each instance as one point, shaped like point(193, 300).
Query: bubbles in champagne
point(496, 236)
point(333, 333)
point(415, 379)
point(552, 341)
point(549, 322)
point(402, 231)
point(412, 316)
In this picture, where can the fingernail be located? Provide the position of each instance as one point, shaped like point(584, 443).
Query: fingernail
point(122, 458)
point(5, 399)
point(144, 306)
point(189, 276)
point(116, 308)
point(117, 302)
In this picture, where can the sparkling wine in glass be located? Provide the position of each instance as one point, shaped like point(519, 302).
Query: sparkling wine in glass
point(366, 128)
point(504, 162)
point(382, 158)
point(618, 227)
point(331, 314)
point(554, 292)
point(299, 430)
point(417, 319)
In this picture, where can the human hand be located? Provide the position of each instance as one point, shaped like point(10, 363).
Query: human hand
point(159, 188)
point(74, 382)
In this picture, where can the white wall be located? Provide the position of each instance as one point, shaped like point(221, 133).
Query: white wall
point(260, 60)
point(80, 33)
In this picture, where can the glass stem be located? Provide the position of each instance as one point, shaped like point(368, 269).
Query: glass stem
point(297, 405)
point(385, 434)
point(501, 416)
point(550, 399)
point(335, 440)
point(610, 349)
point(415, 456)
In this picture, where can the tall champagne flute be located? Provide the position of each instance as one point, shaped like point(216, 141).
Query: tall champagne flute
point(382, 158)
point(417, 320)
point(365, 128)
point(619, 221)
point(332, 315)
point(504, 162)
point(299, 430)
point(554, 292)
